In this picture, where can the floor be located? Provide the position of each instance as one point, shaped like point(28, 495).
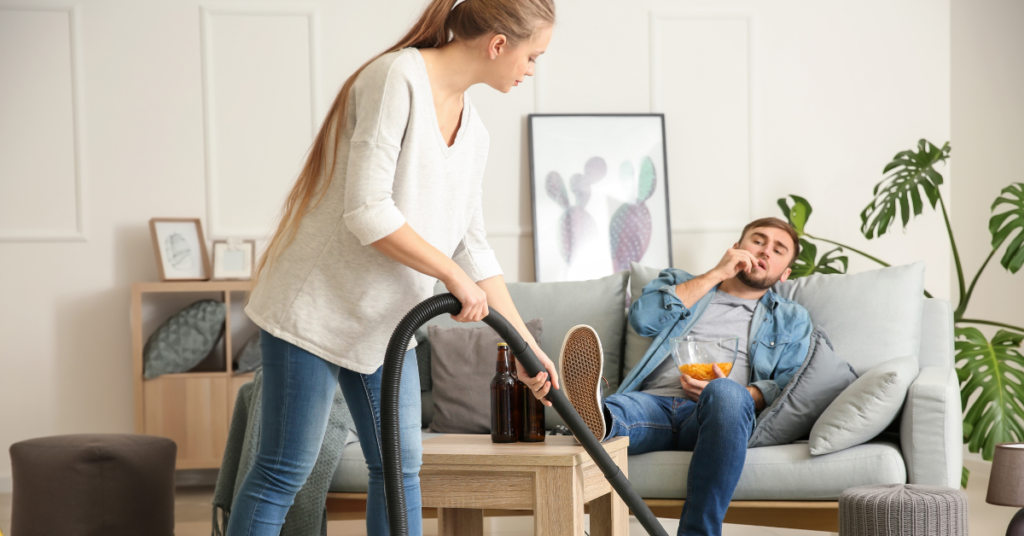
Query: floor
point(193, 515)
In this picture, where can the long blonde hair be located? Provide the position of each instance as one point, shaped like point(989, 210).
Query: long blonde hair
point(515, 19)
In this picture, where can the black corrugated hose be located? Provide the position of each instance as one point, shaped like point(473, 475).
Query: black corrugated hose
point(391, 448)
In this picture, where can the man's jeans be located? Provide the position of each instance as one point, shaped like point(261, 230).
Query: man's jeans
point(298, 392)
point(715, 428)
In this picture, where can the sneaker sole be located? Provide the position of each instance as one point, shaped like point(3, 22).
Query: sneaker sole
point(580, 368)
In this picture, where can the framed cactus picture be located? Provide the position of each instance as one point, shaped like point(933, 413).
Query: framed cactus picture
point(600, 194)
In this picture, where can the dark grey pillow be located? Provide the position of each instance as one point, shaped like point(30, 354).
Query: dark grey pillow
point(185, 339)
point(598, 303)
point(250, 357)
point(815, 385)
point(462, 363)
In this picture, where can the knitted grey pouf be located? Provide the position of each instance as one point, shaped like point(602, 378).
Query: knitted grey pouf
point(902, 510)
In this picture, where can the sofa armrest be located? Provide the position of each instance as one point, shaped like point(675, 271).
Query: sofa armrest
point(931, 430)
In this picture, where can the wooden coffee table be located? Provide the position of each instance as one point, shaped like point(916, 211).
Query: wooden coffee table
point(464, 474)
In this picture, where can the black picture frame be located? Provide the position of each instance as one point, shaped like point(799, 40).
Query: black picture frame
point(531, 137)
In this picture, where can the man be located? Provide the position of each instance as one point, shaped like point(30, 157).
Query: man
point(658, 408)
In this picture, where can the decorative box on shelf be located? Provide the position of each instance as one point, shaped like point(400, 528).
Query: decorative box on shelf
point(191, 408)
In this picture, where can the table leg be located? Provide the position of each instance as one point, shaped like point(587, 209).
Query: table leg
point(558, 502)
point(609, 516)
point(460, 522)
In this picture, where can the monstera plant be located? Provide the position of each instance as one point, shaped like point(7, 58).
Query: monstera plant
point(992, 369)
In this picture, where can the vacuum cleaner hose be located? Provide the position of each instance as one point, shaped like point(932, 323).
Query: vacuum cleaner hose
point(391, 378)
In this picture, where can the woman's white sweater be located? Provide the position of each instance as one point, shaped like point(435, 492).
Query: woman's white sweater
point(330, 292)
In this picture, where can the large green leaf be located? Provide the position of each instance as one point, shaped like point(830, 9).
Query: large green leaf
point(798, 214)
point(984, 368)
point(913, 172)
point(1004, 224)
point(808, 263)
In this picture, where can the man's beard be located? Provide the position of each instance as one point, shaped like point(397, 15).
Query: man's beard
point(764, 283)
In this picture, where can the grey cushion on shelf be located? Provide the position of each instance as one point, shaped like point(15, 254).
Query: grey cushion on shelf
point(871, 316)
point(636, 344)
point(865, 408)
point(250, 357)
point(185, 339)
point(820, 379)
point(599, 303)
point(462, 364)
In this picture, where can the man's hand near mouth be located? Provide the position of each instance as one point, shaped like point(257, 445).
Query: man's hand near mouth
point(733, 262)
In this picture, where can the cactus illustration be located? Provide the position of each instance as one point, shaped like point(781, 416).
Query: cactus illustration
point(576, 226)
point(630, 227)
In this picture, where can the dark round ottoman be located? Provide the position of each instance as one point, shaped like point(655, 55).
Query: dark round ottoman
point(902, 510)
point(93, 484)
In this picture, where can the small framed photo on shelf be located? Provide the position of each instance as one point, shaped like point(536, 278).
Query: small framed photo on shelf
point(233, 258)
point(180, 248)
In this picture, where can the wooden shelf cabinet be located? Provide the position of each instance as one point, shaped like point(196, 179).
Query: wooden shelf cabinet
point(192, 408)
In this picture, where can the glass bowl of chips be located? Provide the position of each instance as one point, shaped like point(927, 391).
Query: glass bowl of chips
point(697, 358)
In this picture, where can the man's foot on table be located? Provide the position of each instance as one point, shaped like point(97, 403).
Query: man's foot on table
point(580, 368)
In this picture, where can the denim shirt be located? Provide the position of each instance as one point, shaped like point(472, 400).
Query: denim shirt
point(780, 333)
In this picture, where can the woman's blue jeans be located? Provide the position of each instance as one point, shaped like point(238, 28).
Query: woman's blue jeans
point(298, 391)
point(715, 428)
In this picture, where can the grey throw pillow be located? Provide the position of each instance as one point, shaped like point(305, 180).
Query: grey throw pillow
point(250, 357)
point(462, 363)
point(865, 408)
point(871, 316)
point(815, 385)
point(185, 339)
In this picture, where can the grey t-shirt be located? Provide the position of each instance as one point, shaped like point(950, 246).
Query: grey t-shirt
point(726, 316)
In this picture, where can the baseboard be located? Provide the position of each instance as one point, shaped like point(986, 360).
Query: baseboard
point(6, 484)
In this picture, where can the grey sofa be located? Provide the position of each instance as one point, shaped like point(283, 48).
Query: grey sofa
point(783, 486)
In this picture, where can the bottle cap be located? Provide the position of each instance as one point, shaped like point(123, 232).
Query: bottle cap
point(500, 344)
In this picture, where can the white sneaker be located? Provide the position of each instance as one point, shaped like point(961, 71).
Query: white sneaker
point(580, 368)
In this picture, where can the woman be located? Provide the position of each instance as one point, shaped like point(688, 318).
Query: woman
point(389, 200)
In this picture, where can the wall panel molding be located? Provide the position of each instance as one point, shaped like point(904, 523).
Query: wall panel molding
point(660, 100)
point(216, 227)
point(77, 233)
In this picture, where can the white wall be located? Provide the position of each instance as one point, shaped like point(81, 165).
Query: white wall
point(987, 127)
point(117, 111)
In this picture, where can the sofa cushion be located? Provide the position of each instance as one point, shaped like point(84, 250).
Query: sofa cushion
point(865, 408)
point(352, 476)
point(782, 472)
point(871, 317)
point(600, 303)
point(821, 377)
point(462, 364)
point(636, 344)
